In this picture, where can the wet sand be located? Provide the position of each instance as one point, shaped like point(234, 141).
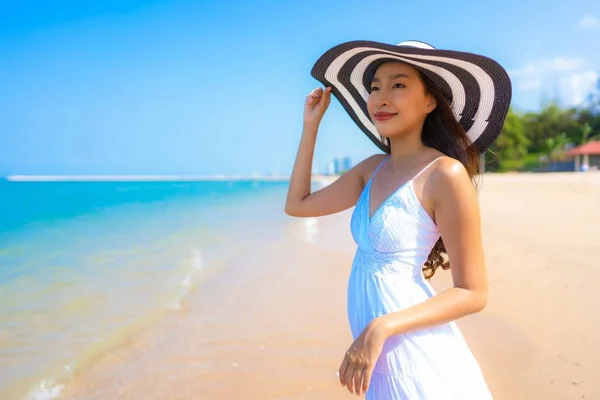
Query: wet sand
point(273, 325)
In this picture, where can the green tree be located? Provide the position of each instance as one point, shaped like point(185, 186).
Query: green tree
point(549, 122)
point(527, 139)
point(586, 130)
point(591, 114)
point(511, 145)
point(594, 100)
point(587, 134)
point(554, 147)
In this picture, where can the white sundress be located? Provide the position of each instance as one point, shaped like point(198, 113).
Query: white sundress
point(427, 364)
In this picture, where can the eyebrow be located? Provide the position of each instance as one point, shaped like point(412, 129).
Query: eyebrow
point(391, 77)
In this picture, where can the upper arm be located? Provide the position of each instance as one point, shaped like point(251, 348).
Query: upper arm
point(340, 195)
point(457, 215)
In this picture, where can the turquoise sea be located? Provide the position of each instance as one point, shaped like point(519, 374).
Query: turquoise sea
point(84, 264)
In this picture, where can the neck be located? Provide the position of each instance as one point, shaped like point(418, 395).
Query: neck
point(406, 148)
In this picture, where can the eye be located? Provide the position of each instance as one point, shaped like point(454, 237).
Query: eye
point(399, 85)
point(374, 88)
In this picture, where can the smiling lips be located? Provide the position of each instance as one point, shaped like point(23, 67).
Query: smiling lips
point(384, 116)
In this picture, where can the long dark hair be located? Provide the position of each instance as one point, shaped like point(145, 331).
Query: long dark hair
point(442, 132)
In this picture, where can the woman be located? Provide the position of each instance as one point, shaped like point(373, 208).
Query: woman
point(414, 205)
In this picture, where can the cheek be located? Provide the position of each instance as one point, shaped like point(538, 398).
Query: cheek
point(410, 105)
point(370, 104)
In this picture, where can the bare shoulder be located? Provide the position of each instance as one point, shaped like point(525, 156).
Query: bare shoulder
point(369, 164)
point(372, 162)
point(448, 168)
point(448, 177)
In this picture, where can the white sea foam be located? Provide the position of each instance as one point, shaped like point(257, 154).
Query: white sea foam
point(189, 281)
point(46, 390)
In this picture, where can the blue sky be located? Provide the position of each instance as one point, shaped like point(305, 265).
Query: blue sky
point(209, 87)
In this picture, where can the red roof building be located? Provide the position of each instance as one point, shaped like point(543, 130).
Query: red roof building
point(590, 152)
point(591, 148)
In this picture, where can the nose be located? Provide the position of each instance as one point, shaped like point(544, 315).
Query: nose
point(381, 99)
point(382, 103)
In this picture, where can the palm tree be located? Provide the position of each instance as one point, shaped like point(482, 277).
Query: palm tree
point(586, 131)
point(555, 146)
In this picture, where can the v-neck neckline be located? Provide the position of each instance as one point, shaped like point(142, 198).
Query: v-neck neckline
point(370, 216)
point(385, 200)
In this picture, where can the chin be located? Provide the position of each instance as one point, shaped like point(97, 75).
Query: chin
point(389, 131)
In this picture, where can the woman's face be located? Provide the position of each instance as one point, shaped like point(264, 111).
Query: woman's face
point(398, 102)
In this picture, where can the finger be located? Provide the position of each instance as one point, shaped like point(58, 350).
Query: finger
point(316, 92)
point(342, 371)
point(349, 378)
point(327, 93)
point(310, 101)
point(357, 384)
point(367, 379)
point(325, 100)
point(319, 99)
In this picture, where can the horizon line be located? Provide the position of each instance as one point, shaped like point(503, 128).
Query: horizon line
point(124, 178)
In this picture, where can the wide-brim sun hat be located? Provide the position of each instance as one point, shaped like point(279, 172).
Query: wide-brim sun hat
point(477, 88)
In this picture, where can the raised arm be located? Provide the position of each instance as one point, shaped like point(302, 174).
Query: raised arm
point(338, 196)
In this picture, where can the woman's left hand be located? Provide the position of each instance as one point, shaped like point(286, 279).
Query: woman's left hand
point(357, 367)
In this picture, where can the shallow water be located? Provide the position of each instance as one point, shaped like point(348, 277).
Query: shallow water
point(85, 264)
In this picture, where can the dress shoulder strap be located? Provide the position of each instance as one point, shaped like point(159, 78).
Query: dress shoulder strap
point(378, 167)
point(423, 170)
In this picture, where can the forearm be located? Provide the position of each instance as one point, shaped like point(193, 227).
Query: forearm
point(447, 306)
point(300, 181)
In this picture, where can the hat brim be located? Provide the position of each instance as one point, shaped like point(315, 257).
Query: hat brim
point(477, 88)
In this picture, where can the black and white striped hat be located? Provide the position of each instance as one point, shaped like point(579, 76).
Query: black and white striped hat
point(477, 88)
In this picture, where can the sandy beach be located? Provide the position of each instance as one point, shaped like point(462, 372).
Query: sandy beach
point(275, 326)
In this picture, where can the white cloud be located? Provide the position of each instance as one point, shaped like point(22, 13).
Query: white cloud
point(575, 88)
point(567, 77)
point(530, 84)
point(587, 22)
point(547, 66)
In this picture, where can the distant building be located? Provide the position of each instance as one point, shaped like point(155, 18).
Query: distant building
point(337, 165)
point(587, 156)
point(346, 164)
point(331, 168)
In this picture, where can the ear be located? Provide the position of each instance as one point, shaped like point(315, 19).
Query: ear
point(431, 103)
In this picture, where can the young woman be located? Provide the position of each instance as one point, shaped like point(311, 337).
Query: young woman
point(432, 112)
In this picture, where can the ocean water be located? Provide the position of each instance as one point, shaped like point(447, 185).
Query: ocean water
point(85, 264)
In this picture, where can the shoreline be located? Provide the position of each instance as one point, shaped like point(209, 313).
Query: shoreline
point(210, 339)
point(240, 178)
point(274, 325)
point(157, 178)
